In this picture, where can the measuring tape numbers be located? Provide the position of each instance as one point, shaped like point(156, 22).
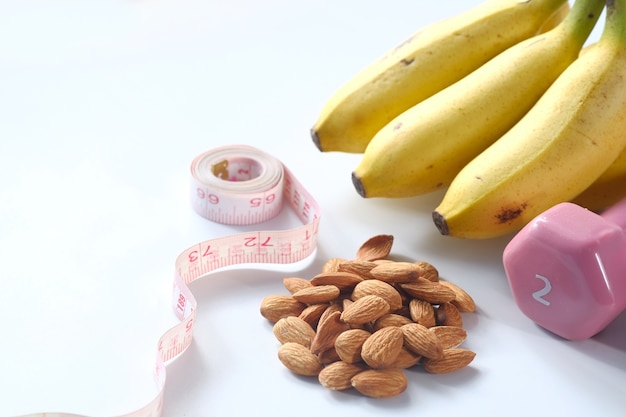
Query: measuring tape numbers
point(236, 185)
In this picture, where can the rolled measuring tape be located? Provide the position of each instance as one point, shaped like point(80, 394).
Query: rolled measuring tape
point(237, 185)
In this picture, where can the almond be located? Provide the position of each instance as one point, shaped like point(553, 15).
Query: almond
point(404, 310)
point(294, 284)
point(448, 315)
point(449, 336)
point(432, 292)
point(317, 294)
point(394, 272)
point(275, 307)
point(356, 266)
point(379, 288)
point(330, 309)
point(406, 359)
point(422, 312)
point(427, 271)
point(328, 356)
point(338, 375)
point(349, 344)
point(382, 348)
point(376, 247)
point(380, 383)
point(332, 264)
point(299, 359)
point(452, 360)
point(365, 309)
point(462, 300)
point(420, 340)
point(360, 322)
point(391, 319)
point(312, 314)
point(293, 329)
point(327, 331)
point(343, 280)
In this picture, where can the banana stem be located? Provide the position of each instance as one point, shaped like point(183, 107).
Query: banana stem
point(582, 18)
point(615, 27)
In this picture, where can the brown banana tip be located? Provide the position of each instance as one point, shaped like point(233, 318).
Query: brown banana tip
point(440, 222)
point(358, 185)
point(316, 139)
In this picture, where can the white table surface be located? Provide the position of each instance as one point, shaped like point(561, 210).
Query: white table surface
point(103, 105)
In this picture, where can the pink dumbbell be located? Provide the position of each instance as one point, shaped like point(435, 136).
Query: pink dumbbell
point(567, 269)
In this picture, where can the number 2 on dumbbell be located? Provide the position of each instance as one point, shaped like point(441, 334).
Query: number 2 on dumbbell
point(538, 295)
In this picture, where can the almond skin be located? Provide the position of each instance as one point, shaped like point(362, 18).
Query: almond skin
point(422, 312)
point(380, 288)
point(396, 272)
point(452, 360)
point(406, 359)
point(345, 281)
point(449, 336)
point(338, 375)
point(462, 300)
point(294, 284)
point(330, 309)
point(328, 356)
point(391, 319)
point(380, 383)
point(427, 271)
point(349, 344)
point(299, 359)
point(421, 341)
point(374, 248)
point(332, 265)
point(365, 309)
point(317, 294)
point(275, 307)
point(382, 348)
point(328, 329)
point(293, 329)
point(432, 292)
point(359, 267)
point(448, 315)
point(312, 314)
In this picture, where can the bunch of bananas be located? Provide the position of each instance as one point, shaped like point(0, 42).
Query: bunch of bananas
point(502, 105)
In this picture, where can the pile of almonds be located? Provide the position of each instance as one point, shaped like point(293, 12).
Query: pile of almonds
point(360, 322)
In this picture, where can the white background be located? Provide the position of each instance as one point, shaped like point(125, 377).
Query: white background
point(103, 105)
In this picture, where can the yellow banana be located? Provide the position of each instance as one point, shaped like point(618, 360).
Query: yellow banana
point(430, 60)
point(422, 149)
point(556, 18)
point(608, 189)
point(556, 151)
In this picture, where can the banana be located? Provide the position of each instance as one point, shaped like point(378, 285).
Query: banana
point(423, 149)
point(608, 189)
point(556, 18)
point(556, 151)
point(430, 60)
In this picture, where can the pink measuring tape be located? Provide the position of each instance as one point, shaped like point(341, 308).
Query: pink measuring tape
point(236, 185)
